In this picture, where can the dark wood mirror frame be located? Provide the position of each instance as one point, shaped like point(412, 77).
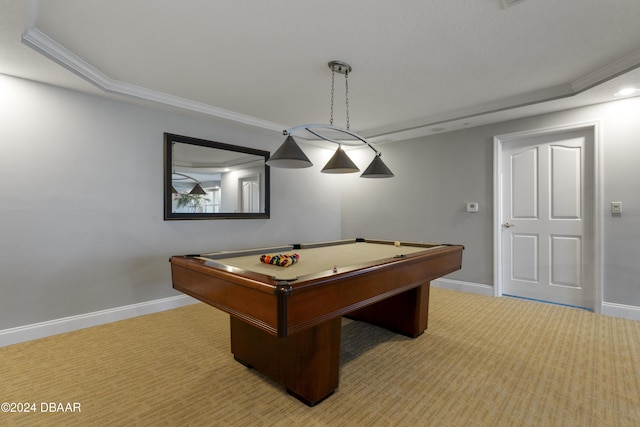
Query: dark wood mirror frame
point(201, 164)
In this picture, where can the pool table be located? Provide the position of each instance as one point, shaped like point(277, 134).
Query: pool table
point(286, 321)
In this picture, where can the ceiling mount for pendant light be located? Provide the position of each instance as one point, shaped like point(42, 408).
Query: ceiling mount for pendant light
point(290, 155)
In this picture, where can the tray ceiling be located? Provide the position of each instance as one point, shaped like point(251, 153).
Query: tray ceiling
point(419, 67)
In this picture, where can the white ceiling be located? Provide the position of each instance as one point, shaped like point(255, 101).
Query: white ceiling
point(419, 66)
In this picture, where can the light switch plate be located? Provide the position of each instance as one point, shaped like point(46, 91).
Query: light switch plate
point(472, 207)
point(616, 207)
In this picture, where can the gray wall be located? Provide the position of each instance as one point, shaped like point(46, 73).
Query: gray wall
point(81, 226)
point(81, 206)
point(436, 176)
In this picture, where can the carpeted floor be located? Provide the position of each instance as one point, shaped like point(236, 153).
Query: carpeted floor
point(483, 361)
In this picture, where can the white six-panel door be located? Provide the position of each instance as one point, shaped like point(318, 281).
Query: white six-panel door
point(546, 223)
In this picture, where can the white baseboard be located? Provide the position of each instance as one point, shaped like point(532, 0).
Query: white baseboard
point(620, 310)
point(458, 285)
point(73, 323)
point(608, 308)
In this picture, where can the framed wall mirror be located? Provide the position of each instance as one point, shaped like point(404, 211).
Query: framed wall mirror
point(212, 180)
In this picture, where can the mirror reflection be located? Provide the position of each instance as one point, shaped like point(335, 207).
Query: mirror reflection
point(209, 180)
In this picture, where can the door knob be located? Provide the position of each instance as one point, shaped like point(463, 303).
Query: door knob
point(507, 225)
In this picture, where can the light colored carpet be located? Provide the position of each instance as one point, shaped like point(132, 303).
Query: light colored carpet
point(483, 361)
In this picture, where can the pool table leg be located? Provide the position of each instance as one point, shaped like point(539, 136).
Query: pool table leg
point(406, 313)
point(307, 363)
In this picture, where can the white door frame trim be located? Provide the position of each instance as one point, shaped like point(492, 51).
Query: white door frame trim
point(498, 142)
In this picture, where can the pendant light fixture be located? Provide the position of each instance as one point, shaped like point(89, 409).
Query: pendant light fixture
point(290, 155)
point(340, 163)
point(197, 190)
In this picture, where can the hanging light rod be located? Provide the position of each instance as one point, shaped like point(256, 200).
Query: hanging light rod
point(290, 155)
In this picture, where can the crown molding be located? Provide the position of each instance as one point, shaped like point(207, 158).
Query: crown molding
point(601, 75)
point(588, 81)
point(417, 127)
point(45, 45)
point(42, 43)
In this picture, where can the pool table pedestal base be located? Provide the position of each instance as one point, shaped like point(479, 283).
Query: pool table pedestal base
point(406, 313)
point(307, 363)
